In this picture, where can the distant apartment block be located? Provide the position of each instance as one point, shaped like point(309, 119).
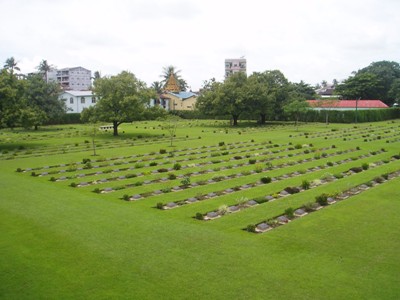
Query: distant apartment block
point(76, 79)
point(234, 65)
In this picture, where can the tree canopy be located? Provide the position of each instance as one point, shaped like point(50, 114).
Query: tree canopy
point(376, 81)
point(123, 98)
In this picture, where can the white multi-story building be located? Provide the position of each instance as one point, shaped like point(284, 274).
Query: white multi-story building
point(234, 65)
point(76, 79)
point(76, 101)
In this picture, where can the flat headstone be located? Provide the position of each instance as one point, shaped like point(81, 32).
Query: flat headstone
point(210, 195)
point(229, 191)
point(245, 186)
point(194, 184)
point(108, 189)
point(171, 205)
point(269, 198)
point(212, 215)
point(157, 192)
point(81, 175)
point(176, 188)
point(99, 172)
point(44, 173)
point(283, 193)
point(251, 203)
point(263, 227)
point(192, 199)
point(137, 196)
point(331, 200)
point(283, 219)
point(210, 181)
point(300, 212)
point(233, 208)
point(62, 178)
point(103, 180)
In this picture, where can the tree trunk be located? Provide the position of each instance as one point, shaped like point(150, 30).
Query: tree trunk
point(263, 118)
point(36, 127)
point(235, 119)
point(115, 126)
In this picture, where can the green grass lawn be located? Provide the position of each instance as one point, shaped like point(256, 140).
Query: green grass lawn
point(59, 242)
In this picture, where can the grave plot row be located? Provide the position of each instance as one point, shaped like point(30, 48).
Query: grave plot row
point(152, 162)
point(149, 155)
point(265, 180)
point(321, 201)
point(222, 178)
point(177, 166)
point(290, 190)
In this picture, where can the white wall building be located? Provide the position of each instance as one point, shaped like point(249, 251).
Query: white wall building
point(234, 65)
point(77, 79)
point(76, 101)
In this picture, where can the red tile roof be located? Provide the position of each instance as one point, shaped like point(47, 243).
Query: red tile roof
point(347, 103)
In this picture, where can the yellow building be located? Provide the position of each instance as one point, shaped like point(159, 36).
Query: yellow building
point(174, 99)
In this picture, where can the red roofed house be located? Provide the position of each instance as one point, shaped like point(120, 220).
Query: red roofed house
point(346, 104)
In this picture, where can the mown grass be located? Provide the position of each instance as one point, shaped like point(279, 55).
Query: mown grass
point(70, 243)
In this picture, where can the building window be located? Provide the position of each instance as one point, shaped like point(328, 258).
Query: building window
point(83, 100)
point(71, 100)
point(93, 99)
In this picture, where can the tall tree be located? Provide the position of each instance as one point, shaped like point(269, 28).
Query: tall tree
point(11, 64)
point(267, 92)
point(123, 98)
point(44, 67)
point(11, 98)
point(157, 87)
point(42, 98)
point(296, 107)
point(362, 85)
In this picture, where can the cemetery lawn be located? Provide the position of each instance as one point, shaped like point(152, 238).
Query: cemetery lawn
point(60, 242)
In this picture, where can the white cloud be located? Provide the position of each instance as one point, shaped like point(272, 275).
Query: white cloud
point(307, 40)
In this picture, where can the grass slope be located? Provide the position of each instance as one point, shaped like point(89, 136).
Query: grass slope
point(59, 242)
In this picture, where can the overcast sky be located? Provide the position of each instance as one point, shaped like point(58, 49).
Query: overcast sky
point(310, 40)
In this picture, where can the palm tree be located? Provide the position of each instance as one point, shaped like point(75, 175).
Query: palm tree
point(157, 86)
point(171, 70)
point(44, 67)
point(167, 71)
point(11, 65)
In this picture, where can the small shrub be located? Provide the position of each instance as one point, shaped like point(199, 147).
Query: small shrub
point(159, 205)
point(138, 183)
point(163, 151)
point(223, 209)
point(97, 190)
point(73, 184)
point(126, 197)
point(53, 179)
point(305, 184)
point(162, 170)
point(266, 179)
point(166, 190)
point(139, 165)
point(396, 156)
point(86, 160)
point(365, 166)
point(379, 179)
point(152, 164)
point(322, 199)
point(185, 181)
point(329, 163)
point(289, 213)
point(171, 176)
point(251, 228)
point(292, 190)
point(199, 216)
point(338, 175)
point(33, 174)
point(298, 146)
point(356, 169)
point(385, 176)
point(177, 166)
point(252, 161)
point(221, 144)
point(258, 169)
point(88, 166)
point(237, 157)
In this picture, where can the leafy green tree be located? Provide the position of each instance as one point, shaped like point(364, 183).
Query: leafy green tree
point(394, 92)
point(362, 85)
point(265, 92)
point(230, 96)
point(31, 116)
point(387, 72)
point(303, 89)
point(42, 99)
point(123, 98)
point(296, 107)
point(11, 98)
